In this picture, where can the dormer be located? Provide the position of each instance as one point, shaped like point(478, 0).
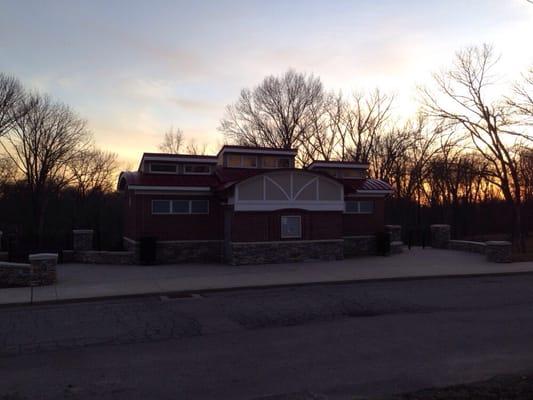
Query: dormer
point(177, 164)
point(341, 169)
point(255, 157)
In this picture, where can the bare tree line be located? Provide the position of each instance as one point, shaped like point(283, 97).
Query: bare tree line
point(46, 145)
point(465, 145)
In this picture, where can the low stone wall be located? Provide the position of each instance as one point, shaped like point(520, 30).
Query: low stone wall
point(14, 274)
point(100, 257)
point(285, 251)
point(360, 245)
point(499, 251)
point(467, 245)
point(40, 271)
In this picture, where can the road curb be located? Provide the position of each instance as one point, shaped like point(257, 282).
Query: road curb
point(260, 287)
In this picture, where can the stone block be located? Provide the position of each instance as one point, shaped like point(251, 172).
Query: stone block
point(499, 251)
point(82, 239)
point(395, 232)
point(440, 236)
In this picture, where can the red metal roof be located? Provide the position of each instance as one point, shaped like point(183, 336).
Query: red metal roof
point(353, 185)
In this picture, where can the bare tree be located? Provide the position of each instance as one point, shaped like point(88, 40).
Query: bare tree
point(277, 113)
point(93, 170)
point(172, 141)
point(11, 102)
point(41, 145)
point(522, 100)
point(460, 102)
point(194, 148)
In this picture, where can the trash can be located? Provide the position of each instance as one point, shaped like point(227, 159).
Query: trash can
point(383, 243)
point(147, 250)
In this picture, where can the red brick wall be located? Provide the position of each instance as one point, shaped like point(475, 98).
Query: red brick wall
point(365, 224)
point(172, 227)
point(266, 226)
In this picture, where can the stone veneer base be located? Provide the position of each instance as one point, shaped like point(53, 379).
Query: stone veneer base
point(245, 253)
point(174, 252)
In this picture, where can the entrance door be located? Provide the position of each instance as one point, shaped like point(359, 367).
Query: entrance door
point(228, 214)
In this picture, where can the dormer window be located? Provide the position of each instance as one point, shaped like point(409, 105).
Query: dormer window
point(192, 169)
point(249, 161)
point(241, 161)
point(275, 162)
point(163, 168)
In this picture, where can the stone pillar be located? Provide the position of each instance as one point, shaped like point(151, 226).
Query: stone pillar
point(440, 236)
point(395, 232)
point(43, 268)
point(1, 240)
point(82, 239)
point(499, 251)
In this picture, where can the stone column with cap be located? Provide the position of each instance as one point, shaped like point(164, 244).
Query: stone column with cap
point(440, 236)
point(82, 239)
point(43, 268)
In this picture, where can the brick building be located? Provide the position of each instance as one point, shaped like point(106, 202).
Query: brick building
point(251, 205)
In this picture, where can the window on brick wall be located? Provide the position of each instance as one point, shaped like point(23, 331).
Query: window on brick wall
point(180, 206)
point(291, 226)
point(359, 207)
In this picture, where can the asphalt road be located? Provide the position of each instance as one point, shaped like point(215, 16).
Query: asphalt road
point(317, 342)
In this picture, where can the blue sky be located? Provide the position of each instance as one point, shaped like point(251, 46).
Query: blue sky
point(134, 68)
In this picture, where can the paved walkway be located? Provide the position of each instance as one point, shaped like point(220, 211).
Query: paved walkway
point(83, 281)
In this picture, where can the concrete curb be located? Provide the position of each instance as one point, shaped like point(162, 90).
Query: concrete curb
point(260, 287)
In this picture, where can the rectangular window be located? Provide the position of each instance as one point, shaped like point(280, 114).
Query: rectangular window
point(359, 207)
point(351, 173)
point(180, 206)
point(160, 206)
point(249, 161)
point(165, 168)
point(291, 226)
point(284, 163)
point(199, 207)
point(270, 162)
point(200, 169)
point(233, 160)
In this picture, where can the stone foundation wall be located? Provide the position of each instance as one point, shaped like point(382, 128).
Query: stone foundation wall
point(244, 253)
point(174, 252)
point(360, 245)
point(466, 245)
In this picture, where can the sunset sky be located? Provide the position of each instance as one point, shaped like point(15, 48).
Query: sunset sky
point(134, 68)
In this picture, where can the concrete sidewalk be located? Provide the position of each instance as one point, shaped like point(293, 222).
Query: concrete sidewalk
point(84, 281)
